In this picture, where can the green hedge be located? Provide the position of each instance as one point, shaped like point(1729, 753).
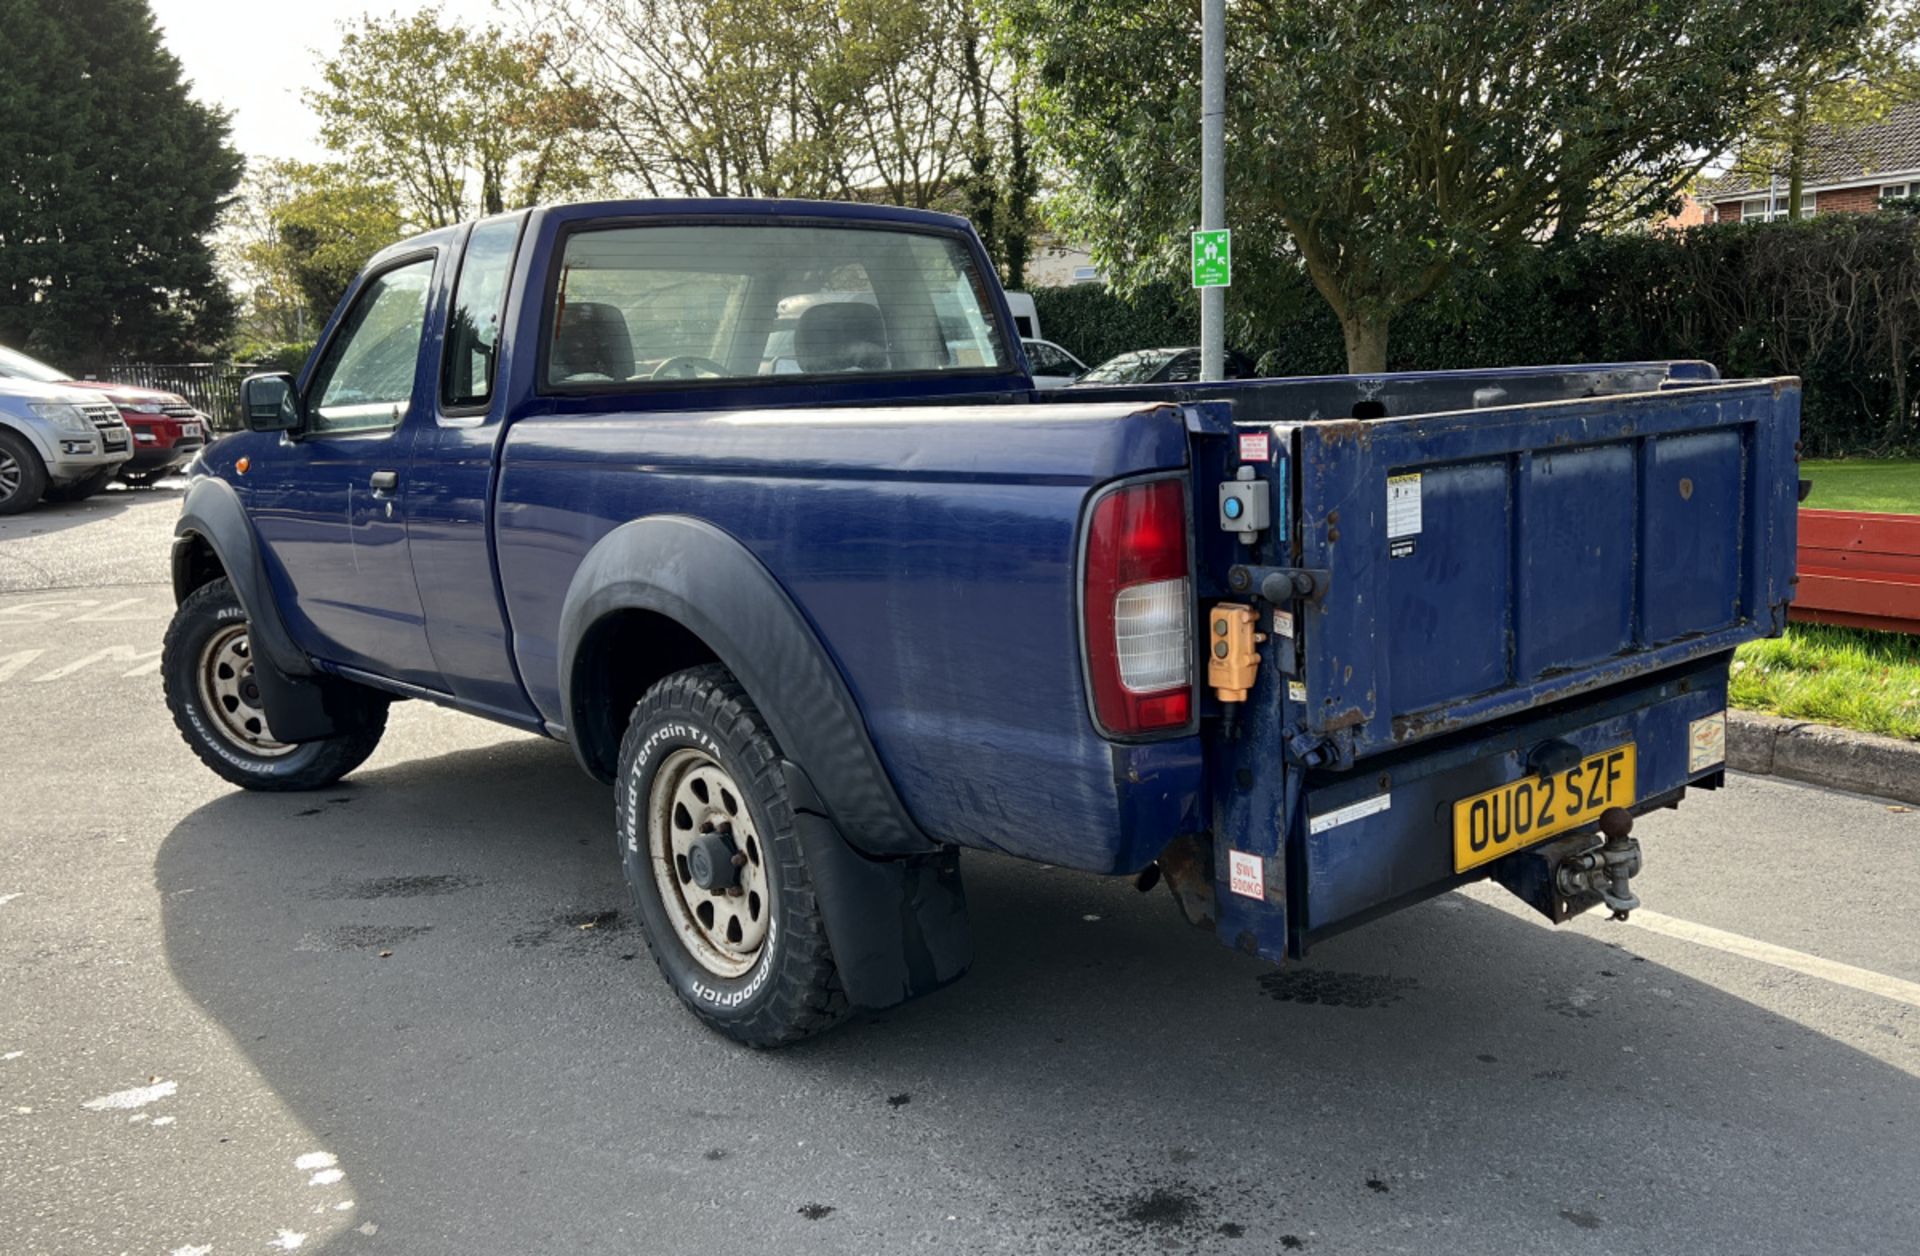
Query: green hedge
point(1833, 300)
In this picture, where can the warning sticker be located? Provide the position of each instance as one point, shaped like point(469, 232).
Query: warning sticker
point(1403, 505)
point(1253, 446)
point(1283, 624)
point(1247, 874)
point(1349, 813)
point(1402, 548)
point(1707, 742)
point(1297, 690)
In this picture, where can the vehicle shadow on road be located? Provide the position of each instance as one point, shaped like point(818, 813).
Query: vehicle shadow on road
point(433, 967)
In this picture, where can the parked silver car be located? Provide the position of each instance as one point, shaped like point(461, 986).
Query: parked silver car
point(56, 442)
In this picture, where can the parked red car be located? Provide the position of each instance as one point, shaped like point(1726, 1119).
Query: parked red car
point(167, 430)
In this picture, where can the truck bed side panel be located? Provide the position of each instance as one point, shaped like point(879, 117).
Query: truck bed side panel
point(940, 579)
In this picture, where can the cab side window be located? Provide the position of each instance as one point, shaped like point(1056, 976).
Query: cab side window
point(479, 302)
point(365, 381)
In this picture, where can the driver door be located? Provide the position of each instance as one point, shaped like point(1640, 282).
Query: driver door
point(332, 509)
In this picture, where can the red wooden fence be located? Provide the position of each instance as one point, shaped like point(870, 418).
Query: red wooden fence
point(1860, 570)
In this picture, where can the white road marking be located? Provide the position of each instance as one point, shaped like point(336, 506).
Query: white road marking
point(11, 1055)
point(106, 615)
point(163, 1120)
point(326, 1177)
point(112, 653)
point(13, 663)
point(8, 898)
point(204, 1250)
point(1895, 988)
point(287, 1240)
point(138, 1097)
point(316, 1160)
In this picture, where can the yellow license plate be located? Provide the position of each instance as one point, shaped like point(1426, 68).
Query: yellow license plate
point(1534, 808)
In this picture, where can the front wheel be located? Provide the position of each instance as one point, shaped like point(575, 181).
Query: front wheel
point(23, 478)
point(718, 877)
point(208, 668)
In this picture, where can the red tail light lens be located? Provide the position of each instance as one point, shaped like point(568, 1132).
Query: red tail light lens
point(1138, 608)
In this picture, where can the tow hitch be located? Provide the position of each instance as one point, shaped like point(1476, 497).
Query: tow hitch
point(1566, 876)
point(1607, 869)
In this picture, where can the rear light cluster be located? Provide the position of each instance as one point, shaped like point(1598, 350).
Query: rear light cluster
point(1138, 605)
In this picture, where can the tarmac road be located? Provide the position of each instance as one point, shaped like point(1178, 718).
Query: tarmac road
point(409, 1014)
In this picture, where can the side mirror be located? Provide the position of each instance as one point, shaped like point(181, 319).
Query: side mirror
point(268, 402)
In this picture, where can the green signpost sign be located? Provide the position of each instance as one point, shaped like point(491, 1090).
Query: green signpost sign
point(1213, 259)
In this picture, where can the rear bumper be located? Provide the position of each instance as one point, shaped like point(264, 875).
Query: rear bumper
point(1395, 848)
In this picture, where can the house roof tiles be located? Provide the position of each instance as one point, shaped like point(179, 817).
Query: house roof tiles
point(1891, 144)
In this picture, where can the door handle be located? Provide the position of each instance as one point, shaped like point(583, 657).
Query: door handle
point(385, 481)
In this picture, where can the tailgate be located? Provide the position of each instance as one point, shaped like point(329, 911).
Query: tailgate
point(1484, 562)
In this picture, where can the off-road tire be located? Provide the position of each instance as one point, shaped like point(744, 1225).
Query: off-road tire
point(210, 612)
point(25, 481)
point(793, 989)
point(81, 489)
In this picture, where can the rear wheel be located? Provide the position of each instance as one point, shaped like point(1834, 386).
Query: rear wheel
point(212, 689)
point(718, 877)
point(23, 478)
point(81, 489)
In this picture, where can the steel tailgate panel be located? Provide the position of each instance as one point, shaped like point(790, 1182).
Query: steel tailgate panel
point(1560, 547)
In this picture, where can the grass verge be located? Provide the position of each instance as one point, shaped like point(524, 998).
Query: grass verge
point(1868, 681)
point(1884, 484)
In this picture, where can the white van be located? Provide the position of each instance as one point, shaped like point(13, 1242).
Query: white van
point(1026, 319)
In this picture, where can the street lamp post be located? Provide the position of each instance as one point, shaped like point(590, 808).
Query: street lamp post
point(1213, 176)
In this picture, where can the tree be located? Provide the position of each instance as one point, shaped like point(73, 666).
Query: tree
point(112, 180)
point(902, 101)
point(1382, 146)
point(458, 122)
point(296, 238)
point(1850, 85)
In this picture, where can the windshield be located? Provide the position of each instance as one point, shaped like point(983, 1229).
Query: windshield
point(16, 365)
point(1129, 368)
point(735, 301)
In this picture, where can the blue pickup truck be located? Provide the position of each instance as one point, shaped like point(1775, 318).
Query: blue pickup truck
point(754, 504)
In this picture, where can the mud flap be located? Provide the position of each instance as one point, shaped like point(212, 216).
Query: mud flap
point(898, 927)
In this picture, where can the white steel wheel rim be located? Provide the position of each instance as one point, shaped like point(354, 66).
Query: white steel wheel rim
point(724, 931)
point(231, 695)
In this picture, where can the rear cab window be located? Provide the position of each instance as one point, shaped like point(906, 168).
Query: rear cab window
point(736, 301)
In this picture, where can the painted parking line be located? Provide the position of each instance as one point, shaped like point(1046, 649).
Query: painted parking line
point(1895, 988)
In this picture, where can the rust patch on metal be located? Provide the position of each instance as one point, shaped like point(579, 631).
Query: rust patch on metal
point(1352, 717)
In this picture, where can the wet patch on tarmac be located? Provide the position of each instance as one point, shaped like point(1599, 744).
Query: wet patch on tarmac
point(425, 886)
point(369, 937)
point(1331, 989)
point(576, 931)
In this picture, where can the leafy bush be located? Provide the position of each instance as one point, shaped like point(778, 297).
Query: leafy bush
point(268, 356)
point(1834, 300)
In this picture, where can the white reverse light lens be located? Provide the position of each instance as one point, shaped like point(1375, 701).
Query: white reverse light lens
point(1151, 623)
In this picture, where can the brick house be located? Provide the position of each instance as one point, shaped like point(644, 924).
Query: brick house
point(1848, 172)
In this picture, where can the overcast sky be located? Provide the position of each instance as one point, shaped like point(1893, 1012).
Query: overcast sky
point(255, 59)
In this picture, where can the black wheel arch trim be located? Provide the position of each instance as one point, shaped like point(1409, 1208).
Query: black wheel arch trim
point(301, 703)
point(705, 580)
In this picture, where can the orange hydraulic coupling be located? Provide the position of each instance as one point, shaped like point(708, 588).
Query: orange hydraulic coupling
point(1233, 656)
